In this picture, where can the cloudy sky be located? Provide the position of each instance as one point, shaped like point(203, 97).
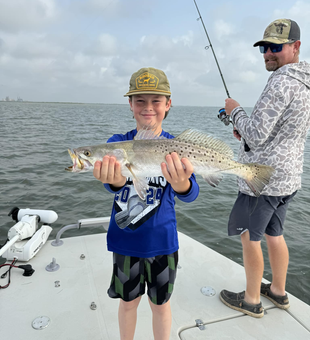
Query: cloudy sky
point(86, 50)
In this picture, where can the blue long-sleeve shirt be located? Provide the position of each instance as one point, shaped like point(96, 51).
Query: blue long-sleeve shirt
point(145, 228)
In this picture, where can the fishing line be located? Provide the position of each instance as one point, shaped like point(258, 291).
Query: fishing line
point(222, 114)
point(206, 47)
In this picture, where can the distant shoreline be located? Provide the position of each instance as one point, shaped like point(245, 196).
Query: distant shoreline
point(76, 103)
point(34, 102)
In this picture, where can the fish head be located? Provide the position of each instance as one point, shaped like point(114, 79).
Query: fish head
point(83, 160)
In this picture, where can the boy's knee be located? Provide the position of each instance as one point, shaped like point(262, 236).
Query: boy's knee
point(160, 309)
point(130, 305)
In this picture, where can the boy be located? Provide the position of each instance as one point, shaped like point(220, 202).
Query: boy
point(142, 234)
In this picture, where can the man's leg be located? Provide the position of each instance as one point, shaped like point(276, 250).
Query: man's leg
point(127, 318)
point(161, 320)
point(279, 258)
point(254, 267)
point(248, 301)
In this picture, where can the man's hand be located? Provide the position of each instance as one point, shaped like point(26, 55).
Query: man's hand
point(230, 104)
point(237, 134)
point(177, 172)
point(109, 171)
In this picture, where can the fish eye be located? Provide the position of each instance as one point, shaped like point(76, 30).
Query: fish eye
point(87, 153)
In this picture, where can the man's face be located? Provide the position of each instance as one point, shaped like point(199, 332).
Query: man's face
point(289, 54)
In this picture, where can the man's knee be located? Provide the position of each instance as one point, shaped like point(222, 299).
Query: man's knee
point(275, 241)
point(246, 242)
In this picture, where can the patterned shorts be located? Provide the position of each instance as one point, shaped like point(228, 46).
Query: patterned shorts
point(131, 273)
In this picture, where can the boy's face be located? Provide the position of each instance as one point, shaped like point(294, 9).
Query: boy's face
point(149, 109)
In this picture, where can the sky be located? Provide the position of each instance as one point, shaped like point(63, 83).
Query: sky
point(85, 51)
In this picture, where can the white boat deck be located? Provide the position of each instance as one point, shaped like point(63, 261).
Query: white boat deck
point(83, 281)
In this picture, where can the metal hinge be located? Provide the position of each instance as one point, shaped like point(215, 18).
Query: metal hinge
point(200, 325)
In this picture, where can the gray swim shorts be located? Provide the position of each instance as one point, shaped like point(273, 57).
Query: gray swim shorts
point(259, 215)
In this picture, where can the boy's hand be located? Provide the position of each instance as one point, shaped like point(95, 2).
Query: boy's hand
point(109, 171)
point(176, 174)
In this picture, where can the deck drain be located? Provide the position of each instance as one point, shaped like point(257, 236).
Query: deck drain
point(208, 291)
point(41, 322)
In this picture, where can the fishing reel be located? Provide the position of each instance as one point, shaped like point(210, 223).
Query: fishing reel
point(224, 118)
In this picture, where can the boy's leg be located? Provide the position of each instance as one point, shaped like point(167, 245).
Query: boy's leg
point(279, 258)
point(128, 285)
point(127, 318)
point(161, 274)
point(254, 268)
point(162, 320)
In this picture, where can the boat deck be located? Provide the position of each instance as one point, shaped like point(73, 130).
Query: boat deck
point(83, 280)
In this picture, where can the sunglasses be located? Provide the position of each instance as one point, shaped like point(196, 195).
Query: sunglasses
point(274, 48)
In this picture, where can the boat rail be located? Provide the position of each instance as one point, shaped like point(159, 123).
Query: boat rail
point(86, 222)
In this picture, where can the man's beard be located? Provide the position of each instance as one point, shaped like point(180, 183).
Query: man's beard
point(271, 66)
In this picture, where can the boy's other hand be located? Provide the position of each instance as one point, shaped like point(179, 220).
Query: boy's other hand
point(109, 171)
point(177, 172)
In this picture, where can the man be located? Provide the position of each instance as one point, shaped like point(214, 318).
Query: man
point(274, 135)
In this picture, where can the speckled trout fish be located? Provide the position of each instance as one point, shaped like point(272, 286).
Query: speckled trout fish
point(141, 158)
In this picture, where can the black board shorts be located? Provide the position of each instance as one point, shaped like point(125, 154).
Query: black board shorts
point(130, 274)
point(259, 215)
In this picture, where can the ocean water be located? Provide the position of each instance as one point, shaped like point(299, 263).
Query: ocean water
point(34, 141)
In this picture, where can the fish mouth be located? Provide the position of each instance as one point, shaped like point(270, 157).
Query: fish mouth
point(79, 164)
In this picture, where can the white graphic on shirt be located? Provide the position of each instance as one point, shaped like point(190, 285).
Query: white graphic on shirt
point(132, 210)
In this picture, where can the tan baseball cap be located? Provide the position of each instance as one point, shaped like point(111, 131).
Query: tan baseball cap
point(148, 80)
point(280, 31)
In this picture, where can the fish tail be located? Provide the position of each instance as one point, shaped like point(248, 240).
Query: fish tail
point(258, 177)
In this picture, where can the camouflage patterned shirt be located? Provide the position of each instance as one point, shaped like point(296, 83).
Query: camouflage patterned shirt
point(276, 131)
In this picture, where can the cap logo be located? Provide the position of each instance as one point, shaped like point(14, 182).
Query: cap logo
point(275, 30)
point(147, 81)
point(279, 27)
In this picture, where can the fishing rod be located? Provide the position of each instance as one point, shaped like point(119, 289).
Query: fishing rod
point(222, 113)
point(218, 66)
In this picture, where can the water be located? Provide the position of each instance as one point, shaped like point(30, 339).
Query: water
point(34, 142)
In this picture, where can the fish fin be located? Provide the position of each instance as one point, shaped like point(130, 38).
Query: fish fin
point(260, 177)
point(141, 186)
point(140, 183)
point(198, 138)
point(148, 132)
point(213, 179)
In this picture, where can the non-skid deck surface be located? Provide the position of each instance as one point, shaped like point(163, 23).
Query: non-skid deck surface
point(83, 281)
